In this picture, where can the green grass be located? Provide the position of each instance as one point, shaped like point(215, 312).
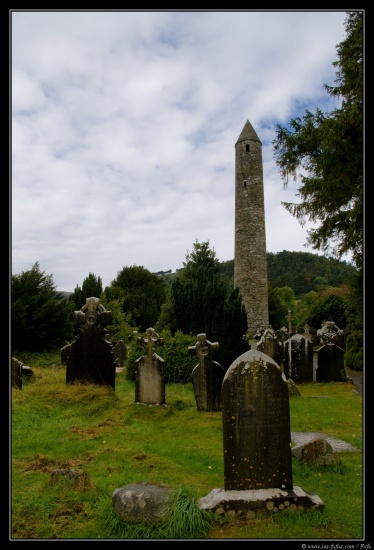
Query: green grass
point(112, 442)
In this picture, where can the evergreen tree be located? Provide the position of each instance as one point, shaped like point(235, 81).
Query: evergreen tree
point(41, 318)
point(202, 300)
point(92, 287)
point(328, 148)
point(143, 295)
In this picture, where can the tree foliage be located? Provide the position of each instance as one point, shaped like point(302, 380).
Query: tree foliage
point(332, 308)
point(354, 352)
point(92, 286)
point(281, 300)
point(202, 300)
point(143, 295)
point(120, 328)
point(41, 318)
point(302, 271)
point(328, 150)
point(179, 363)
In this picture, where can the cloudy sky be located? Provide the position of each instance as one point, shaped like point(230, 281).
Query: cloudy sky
point(124, 126)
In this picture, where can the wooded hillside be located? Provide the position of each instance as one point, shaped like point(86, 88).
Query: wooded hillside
point(301, 271)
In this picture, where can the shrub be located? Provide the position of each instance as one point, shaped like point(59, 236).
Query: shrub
point(174, 351)
point(353, 356)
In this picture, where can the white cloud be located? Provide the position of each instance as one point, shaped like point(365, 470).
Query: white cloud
point(124, 126)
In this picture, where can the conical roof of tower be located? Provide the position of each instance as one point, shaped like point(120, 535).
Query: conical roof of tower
point(248, 133)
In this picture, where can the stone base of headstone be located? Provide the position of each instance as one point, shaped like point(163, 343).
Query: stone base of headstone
point(252, 503)
point(162, 405)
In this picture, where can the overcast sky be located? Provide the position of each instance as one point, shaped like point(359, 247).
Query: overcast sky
point(124, 126)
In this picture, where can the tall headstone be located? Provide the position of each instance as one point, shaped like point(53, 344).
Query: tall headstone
point(90, 358)
point(298, 359)
point(250, 261)
point(256, 425)
point(207, 376)
point(281, 336)
point(330, 364)
point(256, 443)
point(120, 353)
point(271, 345)
point(149, 374)
point(330, 333)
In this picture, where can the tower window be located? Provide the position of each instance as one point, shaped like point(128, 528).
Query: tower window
point(245, 183)
point(247, 148)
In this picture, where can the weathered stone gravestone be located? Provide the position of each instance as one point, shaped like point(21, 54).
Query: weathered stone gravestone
point(281, 335)
point(142, 502)
point(149, 375)
point(120, 353)
point(317, 452)
point(330, 333)
point(307, 332)
point(16, 373)
point(271, 345)
point(89, 358)
point(330, 364)
point(298, 359)
point(256, 443)
point(293, 390)
point(19, 371)
point(207, 376)
point(256, 425)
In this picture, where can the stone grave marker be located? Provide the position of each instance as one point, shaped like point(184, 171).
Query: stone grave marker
point(149, 375)
point(271, 345)
point(120, 353)
point(330, 364)
point(207, 376)
point(281, 336)
point(256, 425)
point(330, 333)
point(89, 359)
point(298, 359)
point(256, 443)
point(16, 373)
point(307, 332)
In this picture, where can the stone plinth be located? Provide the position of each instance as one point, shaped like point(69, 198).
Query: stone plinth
point(253, 503)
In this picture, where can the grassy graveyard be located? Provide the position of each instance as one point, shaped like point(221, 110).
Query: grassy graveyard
point(111, 442)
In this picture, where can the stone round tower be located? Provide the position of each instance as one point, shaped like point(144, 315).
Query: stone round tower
point(250, 261)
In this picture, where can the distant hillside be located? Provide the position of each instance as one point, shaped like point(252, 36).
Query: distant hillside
point(301, 271)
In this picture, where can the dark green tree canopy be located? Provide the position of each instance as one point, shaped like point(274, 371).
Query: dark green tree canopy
point(41, 317)
point(92, 286)
point(201, 256)
point(202, 300)
point(325, 152)
point(281, 300)
point(143, 294)
point(332, 308)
